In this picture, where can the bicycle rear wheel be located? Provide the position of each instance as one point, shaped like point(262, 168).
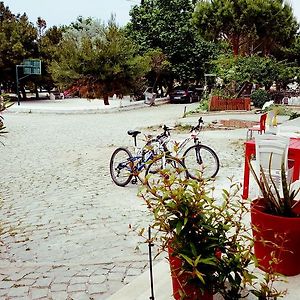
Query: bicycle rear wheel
point(201, 162)
point(120, 166)
point(165, 169)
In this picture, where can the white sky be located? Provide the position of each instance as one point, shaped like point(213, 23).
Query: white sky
point(63, 12)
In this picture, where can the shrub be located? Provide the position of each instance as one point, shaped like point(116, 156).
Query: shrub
point(259, 98)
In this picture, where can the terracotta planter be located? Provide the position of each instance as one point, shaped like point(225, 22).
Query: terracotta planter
point(271, 231)
point(180, 282)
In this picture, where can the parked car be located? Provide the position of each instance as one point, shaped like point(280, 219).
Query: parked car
point(181, 94)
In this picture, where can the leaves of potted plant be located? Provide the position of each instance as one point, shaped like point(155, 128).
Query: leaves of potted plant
point(275, 218)
point(209, 245)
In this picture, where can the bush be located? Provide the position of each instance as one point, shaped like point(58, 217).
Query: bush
point(259, 98)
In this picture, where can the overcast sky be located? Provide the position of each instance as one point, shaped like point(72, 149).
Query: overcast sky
point(63, 12)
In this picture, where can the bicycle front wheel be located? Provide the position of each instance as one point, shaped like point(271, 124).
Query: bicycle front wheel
point(165, 169)
point(201, 162)
point(120, 166)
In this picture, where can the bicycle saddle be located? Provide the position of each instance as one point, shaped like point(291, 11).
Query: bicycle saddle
point(133, 133)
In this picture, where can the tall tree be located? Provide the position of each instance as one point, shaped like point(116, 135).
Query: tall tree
point(17, 41)
point(166, 25)
point(99, 59)
point(248, 25)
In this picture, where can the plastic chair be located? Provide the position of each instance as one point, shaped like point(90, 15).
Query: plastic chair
point(261, 128)
point(289, 131)
point(271, 151)
point(295, 186)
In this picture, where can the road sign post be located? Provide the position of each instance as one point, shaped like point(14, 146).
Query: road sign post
point(30, 67)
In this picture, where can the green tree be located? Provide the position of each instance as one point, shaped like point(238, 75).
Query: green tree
point(166, 25)
point(17, 41)
point(47, 45)
point(99, 59)
point(254, 69)
point(248, 26)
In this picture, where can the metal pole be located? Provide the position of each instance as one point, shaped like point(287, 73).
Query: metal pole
point(150, 245)
point(17, 81)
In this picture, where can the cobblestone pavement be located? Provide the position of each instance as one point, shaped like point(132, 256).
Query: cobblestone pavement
point(65, 224)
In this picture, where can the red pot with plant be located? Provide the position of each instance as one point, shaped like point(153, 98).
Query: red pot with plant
point(275, 218)
point(277, 240)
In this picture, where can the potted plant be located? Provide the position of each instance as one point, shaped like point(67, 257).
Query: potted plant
point(209, 246)
point(275, 218)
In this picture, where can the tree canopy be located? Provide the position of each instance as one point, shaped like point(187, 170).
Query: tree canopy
point(98, 58)
point(17, 42)
point(249, 26)
point(166, 25)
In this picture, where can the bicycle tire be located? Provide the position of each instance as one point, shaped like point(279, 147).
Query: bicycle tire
point(201, 161)
point(157, 171)
point(120, 161)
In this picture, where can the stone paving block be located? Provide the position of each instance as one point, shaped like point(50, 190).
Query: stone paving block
point(5, 284)
point(134, 271)
point(37, 293)
point(79, 296)
point(18, 291)
point(79, 280)
point(97, 279)
point(61, 279)
point(115, 276)
point(96, 288)
point(58, 287)
point(59, 295)
point(25, 282)
point(79, 287)
point(43, 282)
point(98, 296)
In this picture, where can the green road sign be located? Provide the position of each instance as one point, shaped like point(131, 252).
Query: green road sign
point(32, 66)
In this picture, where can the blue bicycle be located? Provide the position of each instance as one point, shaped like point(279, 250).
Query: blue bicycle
point(151, 158)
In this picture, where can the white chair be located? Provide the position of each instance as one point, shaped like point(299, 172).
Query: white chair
point(288, 131)
point(271, 151)
point(295, 186)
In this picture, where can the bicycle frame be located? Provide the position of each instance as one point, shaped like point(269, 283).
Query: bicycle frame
point(193, 136)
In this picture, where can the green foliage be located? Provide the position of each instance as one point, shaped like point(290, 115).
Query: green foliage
point(206, 232)
point(4, 104)
point(253, 69)
point(47, 44)
point(282, 110)
point(294, 115)
point(248, 26)
point(17, 41)
point(99, 59)
point(273, 201)
point(166, 25)
point(259, 98)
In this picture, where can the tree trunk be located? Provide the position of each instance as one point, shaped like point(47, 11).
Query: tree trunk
point(105, 97)
point(23, 92)
point(235, 42)
point(37, 96)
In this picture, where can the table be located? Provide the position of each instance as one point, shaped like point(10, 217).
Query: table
point(293, 154)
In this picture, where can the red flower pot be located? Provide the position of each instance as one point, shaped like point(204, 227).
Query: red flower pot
point(277, 234)
point(180, 282)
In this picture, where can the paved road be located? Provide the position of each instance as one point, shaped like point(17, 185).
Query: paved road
point(65, 225)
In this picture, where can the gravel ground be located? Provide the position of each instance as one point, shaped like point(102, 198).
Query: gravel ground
point(65, 224)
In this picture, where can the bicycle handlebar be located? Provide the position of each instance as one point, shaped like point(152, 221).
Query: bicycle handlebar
point(198, 126)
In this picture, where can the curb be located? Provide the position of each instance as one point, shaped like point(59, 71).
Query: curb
point(83, 110)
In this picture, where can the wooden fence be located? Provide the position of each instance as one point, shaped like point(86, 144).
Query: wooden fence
point(218, 103)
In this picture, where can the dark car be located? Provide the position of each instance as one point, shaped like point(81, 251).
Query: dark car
point(181, 94)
